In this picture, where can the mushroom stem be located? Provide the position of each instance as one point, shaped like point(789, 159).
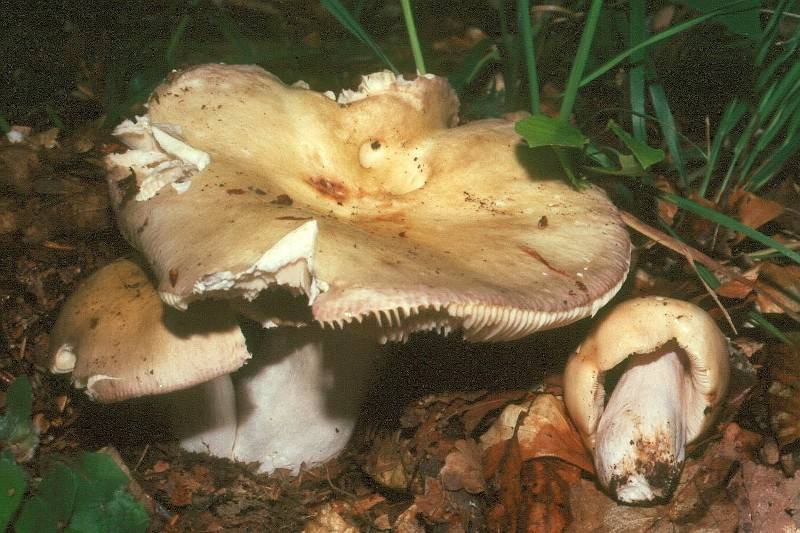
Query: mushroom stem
point(641, 436)
point(203, 417)
point(299, 399)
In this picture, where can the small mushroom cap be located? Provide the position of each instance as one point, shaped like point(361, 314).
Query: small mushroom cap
point(376, 208)
point(120, 341)
point(642, 326)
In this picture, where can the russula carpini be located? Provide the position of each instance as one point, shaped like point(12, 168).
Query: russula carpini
point(373, 211)
point(675, 378)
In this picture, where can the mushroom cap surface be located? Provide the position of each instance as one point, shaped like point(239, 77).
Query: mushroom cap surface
point(377, 208)
point(121, 341)
point(643, 326)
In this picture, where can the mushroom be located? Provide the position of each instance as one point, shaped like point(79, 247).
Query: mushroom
point(674, 381)
point(372, 215)
point(119, 341)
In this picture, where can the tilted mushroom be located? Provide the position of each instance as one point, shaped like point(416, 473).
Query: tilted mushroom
point(374, 212)
point(675, 378)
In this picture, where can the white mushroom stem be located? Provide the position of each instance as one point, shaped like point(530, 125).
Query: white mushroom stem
point(296, 402)
point(203, 417)
point(641, 436)
point(299, 402)
point(668, 395)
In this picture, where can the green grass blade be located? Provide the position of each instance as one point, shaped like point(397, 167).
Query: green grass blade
point(768, 326)
point(733, 114)
point(581, 58)
point(770, 32)
point(666, 34)
point(637, 32)
point(171, 53)
point(773, 164)
point(351, 24)
point(5, 127)
point(480, 55)
point(707, 276)
point(743, 21)
point(408, 16)
point(729, 223)
point(668, 130)
point(511, 69)
point(526, 34)
point(771, 130)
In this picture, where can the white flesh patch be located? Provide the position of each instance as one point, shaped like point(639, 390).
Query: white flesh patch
point(290, 262)
point(641, 436)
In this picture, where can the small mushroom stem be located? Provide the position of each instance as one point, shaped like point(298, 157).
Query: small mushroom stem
point(639, 446)
point(299, 398)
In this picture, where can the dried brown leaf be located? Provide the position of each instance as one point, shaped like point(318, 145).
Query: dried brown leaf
point(462, 468)
point(752, 210)
point(543, 430)
point(329, 520)
point(778, 288)
point(767, 500)
point(739, 288)
point(503, 465)
point(783, 393)
point(546, 484)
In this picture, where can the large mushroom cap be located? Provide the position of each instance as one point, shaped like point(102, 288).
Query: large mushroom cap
point(120, 341)
point(375, 208)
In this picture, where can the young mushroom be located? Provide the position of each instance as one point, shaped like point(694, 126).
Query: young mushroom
point(119, 341)
point(374, 212)
point(675, 378)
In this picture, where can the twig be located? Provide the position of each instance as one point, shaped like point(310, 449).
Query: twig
point(141, 457)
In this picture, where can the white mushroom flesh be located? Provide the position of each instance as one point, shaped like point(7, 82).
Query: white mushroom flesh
point(641, 435)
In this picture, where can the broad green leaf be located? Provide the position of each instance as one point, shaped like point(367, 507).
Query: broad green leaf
point(16, 428)
point(118, 513)
point(103, 472)
point(645, 155)
point(12, 487)
point(743, 21)
point(36, 517)
point(19, 402)
point(541, 130)
point(57, 490)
